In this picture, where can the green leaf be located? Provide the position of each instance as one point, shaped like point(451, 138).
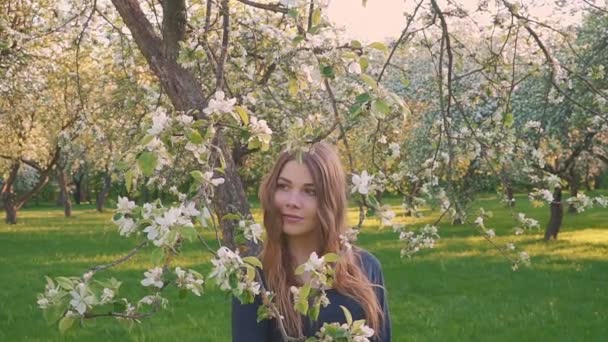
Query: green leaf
point(292, 87)
point(302, 307)
point(146, 139)
point(66, 323)
point(314, 311)
point(298, 39)
point(117, 217)
point(194, 136)
point(130, 179)
point(293, 12)
point(331, 257)
point(242, 112)
point(369, 81)
point(300, 270)
point(316, 16)
point(363, 98)
point(355, 44)
point(250, 273)
point(305, 291)
point(147, 163)
point(55, 312)
point(231, 216)
point(198, 176)
point(65, 283)
point(380, 107)
point(251, 260)
point(328, 71)
point(189, 233)
point(157, 256)
point(508, 120)
point(349, 317)
point(364, 63)
point(378, 46)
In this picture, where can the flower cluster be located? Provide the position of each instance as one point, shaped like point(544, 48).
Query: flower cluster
point(525, 223)
point(356, 331)
point(218, 104)
point(189, 280)
point(581, 202)
point(415, 242)
point(320, 275)
point(362, 183)
point(349, 236)
point(236, 274)
point(479, 222)
point(153, 278)
point(162, 226)
point(386, 216)
point(539, 195)
point(251, 230)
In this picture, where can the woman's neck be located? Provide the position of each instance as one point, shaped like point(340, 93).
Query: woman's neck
point(301, 246)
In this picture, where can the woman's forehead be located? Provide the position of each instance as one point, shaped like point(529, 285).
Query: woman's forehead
point(296, 172)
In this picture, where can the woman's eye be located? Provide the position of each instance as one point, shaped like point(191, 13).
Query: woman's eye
point(281, 186)
point(310, 192)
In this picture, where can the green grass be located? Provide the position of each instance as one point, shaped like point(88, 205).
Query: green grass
point(462, 290)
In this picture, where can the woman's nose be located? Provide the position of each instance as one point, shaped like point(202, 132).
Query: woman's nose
point(293, 199)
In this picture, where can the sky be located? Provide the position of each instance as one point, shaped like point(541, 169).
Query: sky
point(382, 19)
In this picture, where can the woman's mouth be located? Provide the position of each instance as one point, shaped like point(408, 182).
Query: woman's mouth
point(292, 218)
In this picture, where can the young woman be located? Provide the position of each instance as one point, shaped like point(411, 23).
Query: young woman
point(304, 204)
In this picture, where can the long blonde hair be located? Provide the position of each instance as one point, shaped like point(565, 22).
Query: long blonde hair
point(328, 175)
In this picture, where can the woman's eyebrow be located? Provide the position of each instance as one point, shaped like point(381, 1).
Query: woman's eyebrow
point(290, 182)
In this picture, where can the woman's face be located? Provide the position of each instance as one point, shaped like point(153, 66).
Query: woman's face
point(296, 199)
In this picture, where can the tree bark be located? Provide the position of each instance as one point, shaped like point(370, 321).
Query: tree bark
point(230, 197)
point(105, 190)
point(64, 191)
point(8, 195)
point(557, 214)
point(79, 192)
point(186, 95)
point(574, 187)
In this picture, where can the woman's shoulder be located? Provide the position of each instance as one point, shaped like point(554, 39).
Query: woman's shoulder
point(369, 262)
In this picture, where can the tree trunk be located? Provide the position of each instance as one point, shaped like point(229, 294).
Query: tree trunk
point(79, 192)
point(230, 198)
point(65, 193)
point(597, 181)
point(11, 212)
point(185, 93)
point(575, 185)
point(105, 191)
point(8, 195)
point(557, 214)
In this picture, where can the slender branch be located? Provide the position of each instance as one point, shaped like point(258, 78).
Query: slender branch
point(121, 260)
point(334, 106)
point(268, 7)
point(402, 38)
point(219, 84)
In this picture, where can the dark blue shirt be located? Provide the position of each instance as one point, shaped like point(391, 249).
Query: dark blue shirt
point(244, 316)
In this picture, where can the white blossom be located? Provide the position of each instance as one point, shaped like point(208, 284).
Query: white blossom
point(159, 122)
point(251, 231)
point(395, 149)
point(153, 277)
point(314, 263)
point(81, 298)
point(107, 296)
point(361, 183)
point(124, 206)
point(219, 105)
point(354, 68)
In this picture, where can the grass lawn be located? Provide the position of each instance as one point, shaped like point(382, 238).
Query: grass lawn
point(461, 290)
